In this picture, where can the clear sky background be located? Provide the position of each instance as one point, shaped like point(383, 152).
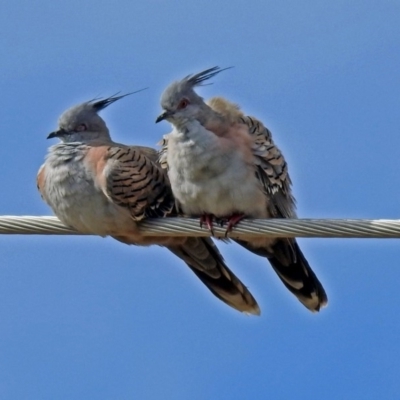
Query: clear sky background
point(90, 318)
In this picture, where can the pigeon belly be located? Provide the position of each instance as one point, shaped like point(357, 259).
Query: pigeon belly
point(208, 178)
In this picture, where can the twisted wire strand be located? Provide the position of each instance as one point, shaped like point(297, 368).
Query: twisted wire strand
point(311, 228)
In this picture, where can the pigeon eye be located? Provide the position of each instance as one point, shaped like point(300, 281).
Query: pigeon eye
point(81, 128)
point(183, 104)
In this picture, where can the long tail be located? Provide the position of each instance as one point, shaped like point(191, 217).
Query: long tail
point(293, 270)
point(204, 259)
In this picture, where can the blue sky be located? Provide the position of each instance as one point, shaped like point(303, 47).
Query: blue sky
point(85, 317)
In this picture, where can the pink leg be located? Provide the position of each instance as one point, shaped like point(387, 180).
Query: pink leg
point(233, 220)
point(207, 219)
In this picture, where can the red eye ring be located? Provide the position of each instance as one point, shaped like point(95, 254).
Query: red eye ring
point(81, 128)
point(183, 104)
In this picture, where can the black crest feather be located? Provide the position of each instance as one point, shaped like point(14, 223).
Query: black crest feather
point(101, 104)
point(199, 78)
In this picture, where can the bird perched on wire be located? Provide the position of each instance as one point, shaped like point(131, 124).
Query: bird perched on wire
point(223, 164)
point(101, 187)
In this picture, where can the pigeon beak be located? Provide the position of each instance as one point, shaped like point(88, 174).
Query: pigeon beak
point(55, 134)
point(163, 116)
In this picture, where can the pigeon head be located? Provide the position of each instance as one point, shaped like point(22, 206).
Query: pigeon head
point(180, 102)
point(82, 123)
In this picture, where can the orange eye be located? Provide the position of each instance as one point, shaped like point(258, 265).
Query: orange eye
point(183, 104)
point(81, 128)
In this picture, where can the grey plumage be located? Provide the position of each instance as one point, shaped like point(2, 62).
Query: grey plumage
point(225, 164)
point(101, 187)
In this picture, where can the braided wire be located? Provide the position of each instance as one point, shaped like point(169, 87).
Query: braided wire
point(323, 228)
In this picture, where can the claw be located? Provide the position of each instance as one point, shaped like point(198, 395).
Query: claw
point(207, 219)
point(233, 220)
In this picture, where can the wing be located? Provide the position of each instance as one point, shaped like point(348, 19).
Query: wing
point(270, 165)
point(40, 179)
point(162, 155)
point(134, 180)
point(271, 170)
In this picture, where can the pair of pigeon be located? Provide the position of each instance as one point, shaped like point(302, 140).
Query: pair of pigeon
point(217, 163)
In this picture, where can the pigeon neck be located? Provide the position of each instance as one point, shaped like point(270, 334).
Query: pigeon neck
point(214, 121)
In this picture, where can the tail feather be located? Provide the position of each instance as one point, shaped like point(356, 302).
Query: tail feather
point(293, 270)
point(204, 259)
